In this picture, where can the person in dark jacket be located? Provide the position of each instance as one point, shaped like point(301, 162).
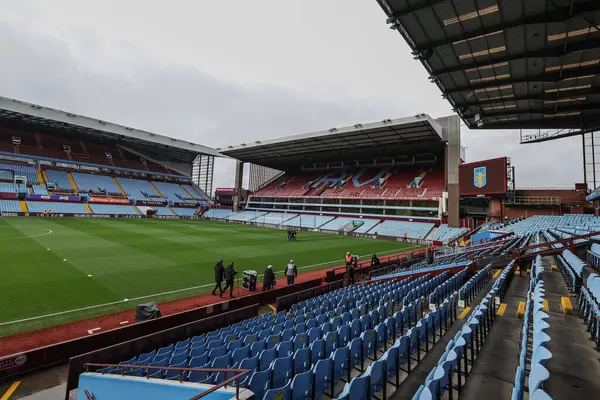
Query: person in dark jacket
point(351, 274)
point(375, 262)
point(219, 271)
point(268, 279)
point(230, 274)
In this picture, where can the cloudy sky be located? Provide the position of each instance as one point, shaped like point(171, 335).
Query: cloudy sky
point(220, 72)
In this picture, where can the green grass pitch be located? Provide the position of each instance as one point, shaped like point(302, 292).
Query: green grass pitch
point(45, 262)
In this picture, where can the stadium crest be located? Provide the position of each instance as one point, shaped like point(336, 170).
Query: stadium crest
point(479, 177)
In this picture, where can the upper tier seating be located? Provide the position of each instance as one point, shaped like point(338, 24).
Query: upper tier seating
point(55, 207)
point(22, 170)
point(171, 191)
point(60, 178)
point(194, 192)
point(95, 183)
point(8, 187)
point(401, 183)
point(113, 209)
point(6, 175)
point(445, 234)
point(367, 225)
point(218, 213)
point(413, 230)
point(308, 221)
point(137, 188)
point(275, 218)
point(540, 223)
point(10, 206)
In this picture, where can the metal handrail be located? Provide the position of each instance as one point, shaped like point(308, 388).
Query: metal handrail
point(238, 374)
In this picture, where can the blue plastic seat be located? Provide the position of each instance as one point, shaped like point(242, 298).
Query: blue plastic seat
point(322, 376)
point(317, 349)
point(240, 354)
point(300, 328)
point(302, 386)
point(341, 364)
point(266, 358)
point(376, 373)
point(369, 343)
point(300, 341)
point(179, 358)
point(287, 334)
point(344, 335)
point(282, 393)
point(331, 342)
point(272, 341)
point(257, 347)
point(217, 352)
point(285, 349)
point(314, 334)
point(302, 360)
point(260, 382)
point(249, 363)
point(281, 371)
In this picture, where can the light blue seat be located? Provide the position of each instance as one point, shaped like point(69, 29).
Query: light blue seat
point(537, 376)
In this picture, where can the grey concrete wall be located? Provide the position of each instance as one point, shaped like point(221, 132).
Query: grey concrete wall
point(239, 175)
point(451, 132)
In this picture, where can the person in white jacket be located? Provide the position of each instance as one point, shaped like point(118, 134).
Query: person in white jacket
point(291, 272)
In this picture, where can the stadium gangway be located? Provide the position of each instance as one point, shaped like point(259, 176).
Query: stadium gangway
point(519, 254)
point(238, 373)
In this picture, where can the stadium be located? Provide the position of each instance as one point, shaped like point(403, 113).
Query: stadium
point(409, 270)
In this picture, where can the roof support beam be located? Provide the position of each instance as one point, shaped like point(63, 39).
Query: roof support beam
point(554, 51)
point(566, 122)
point(554, 76)
point(558, 15)
point(531, 96)
point(562, 109)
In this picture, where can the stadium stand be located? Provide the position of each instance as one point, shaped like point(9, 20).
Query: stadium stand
point(337, 224)
point(370, 183)
point(367, 225)
point(188, 212)
point(8, 187)
point(445, 234)
point(308, 221)
point(309, 351)
point(61, 179)
point(274, 218)
point(55, 207)
point(137, 188)
point(10, 206)
point(413, 230)
point(171, 191)
point(196, 195)
point(39, 189)
point(22, 170)
point(6, 175)
point(218, 213)
point(95, 183)
point(245, 216)
point(113, 209)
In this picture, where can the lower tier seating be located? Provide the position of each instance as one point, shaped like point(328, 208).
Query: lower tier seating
point(55, 207)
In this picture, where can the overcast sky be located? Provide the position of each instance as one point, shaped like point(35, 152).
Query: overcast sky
point(224, 72)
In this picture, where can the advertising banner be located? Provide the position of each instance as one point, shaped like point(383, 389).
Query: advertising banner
point(150, 203)
point(53, 197)
point(108, 200)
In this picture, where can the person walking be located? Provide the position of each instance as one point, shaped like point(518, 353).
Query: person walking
point(291, 272)
point(348, 259)
point(230, 274)
point(219, 271)
point(375, 262)
point(268, 278)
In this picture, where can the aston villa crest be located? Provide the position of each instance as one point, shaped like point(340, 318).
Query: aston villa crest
point(479, 177)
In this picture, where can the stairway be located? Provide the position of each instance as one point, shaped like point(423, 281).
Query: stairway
point(118, 185)
point(87, 207)
point(188, 193)
point(156, 189)
point(40, 176)
point(72, 182)
point(137, 210)
point(23, 205)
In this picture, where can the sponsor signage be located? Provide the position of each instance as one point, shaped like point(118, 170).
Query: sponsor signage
point(11, 362)
point(53, 197)
point(225, 190)
point(483, 178)
point(108, 200)
point(150, 203)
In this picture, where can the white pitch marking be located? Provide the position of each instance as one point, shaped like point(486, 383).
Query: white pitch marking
point(173, 291)
point(90, 331)
point(48, 232)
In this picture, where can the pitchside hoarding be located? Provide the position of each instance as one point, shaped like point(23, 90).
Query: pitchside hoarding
point(483, 178)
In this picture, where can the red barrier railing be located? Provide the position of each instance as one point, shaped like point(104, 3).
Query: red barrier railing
point(238, 373)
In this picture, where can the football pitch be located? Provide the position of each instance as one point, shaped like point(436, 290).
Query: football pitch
point(83, 268)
